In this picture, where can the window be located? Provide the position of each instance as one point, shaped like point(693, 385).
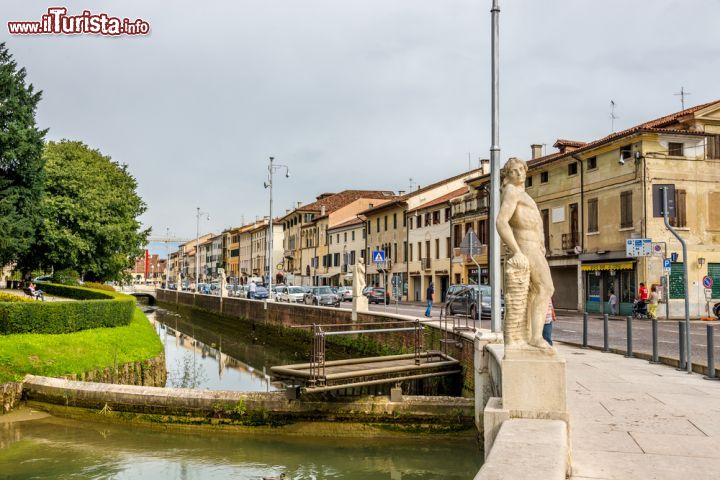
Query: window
point(572, 168)
point(528, 181)
point(592, 163)
point(418, 221)
point(592, 215)
point(713, 148)
point(337, 259)
point(386, 223)
point(436, 217)
point(483, 232)
point(369, 227)
point(419, 250)
point(345, 237)
point(395, 220)
point(544, 176)
point(675, 149)
point(545, 213)
point(437, 248)
point(680, 218)
point(410, 252)
point(405, 252)
point(404, 221)
point(394, 256)
point(378, 224)
point(352, 235)
point(626, 152)
point(626, 217)
point(330, 236)
point(447, 247)
point(457, 235)
point(428, 219)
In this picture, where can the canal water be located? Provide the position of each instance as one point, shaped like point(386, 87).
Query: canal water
point(205, 351)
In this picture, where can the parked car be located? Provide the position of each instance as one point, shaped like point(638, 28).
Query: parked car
point(293, 295)
point(345, 294)
point(465, 300)
point(322, 296)
point(261, 293)
point(278, 291)
point(378, 295)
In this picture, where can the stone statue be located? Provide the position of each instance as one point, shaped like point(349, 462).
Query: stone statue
point(528, 283)
point(360, 302)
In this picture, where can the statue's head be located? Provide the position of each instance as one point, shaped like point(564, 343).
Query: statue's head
point(513, 166)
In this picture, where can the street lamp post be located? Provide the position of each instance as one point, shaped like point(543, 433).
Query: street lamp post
point(198, 214)
point(494, 254)
point(269, 184)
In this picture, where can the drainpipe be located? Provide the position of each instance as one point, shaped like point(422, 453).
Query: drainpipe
point(582, 225)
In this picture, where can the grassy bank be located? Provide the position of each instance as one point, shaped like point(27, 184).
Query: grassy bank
point(78, 352)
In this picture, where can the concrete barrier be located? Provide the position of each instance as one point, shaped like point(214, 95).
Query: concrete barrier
point(527, 450)
point(448, 414)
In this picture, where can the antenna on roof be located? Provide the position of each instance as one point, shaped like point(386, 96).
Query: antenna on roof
point(682, 94)
point(469, 162)
point(612, 116)
point(411, 185)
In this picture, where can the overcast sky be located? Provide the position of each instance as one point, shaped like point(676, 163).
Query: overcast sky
point(350, 94)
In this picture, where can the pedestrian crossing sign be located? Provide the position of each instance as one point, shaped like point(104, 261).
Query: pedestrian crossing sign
point(378, 256)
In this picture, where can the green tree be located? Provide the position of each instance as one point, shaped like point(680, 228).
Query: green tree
point(90, 214)
point(21, 162)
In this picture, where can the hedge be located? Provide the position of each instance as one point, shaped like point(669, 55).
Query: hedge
point(9, 297)
point(92, 309)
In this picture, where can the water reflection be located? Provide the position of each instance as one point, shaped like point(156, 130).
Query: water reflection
point(192, 363)
point(41, 449)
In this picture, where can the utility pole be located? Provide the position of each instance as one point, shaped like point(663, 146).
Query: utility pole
point(494, 251)
point(198, 214)
point(269, 184)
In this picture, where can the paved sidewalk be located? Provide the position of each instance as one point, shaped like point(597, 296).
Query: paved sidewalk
point(633, 420)
point(48, 298)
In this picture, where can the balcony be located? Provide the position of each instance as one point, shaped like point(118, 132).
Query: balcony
point(425, 263)
point(570, 240)
point(289, 253)
point(472, 205)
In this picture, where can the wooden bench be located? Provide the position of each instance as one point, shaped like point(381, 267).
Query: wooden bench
point(32, 295)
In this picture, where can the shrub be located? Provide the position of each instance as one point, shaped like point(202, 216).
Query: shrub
point(92, 309)
point(9, 297)
point(98, 286)
point(66, 277)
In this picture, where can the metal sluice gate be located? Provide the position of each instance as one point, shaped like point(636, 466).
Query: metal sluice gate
point(321, 375)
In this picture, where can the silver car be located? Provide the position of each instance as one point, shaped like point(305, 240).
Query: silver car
point(322, 296)
point(293, 294)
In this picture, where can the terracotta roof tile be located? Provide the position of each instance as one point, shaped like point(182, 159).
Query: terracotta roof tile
point(352, 221)
point(657, 125)
point(339, 200)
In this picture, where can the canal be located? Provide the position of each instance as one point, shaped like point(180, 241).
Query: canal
point(210, 352)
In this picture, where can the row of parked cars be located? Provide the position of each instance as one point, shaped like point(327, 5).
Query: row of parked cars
point(470, 300)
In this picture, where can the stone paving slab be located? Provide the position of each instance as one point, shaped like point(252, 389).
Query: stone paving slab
point(632, 419)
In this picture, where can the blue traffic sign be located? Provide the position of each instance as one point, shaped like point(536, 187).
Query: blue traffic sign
point(378, 256)
point(673, 257)
point(666, 264)
point(707, 282)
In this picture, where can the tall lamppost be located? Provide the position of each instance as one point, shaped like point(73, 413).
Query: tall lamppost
point(494, 253)
point(269, 184)
point(198, 214)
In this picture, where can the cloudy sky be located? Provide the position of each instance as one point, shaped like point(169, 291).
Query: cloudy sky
point(350, 94)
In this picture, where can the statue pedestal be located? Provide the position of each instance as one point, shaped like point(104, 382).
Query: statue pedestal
point(360, 304)
point(534, 385)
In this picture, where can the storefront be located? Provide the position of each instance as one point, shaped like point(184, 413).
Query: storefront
point(601, 278)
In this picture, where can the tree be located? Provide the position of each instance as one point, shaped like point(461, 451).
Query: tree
point(90, 214)
point(21, 162)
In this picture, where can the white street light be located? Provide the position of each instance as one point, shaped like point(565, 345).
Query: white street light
point(269, 184)
point(198, 214)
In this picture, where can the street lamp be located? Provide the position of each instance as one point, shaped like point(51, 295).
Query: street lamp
point(269, 184)
point(198, 214)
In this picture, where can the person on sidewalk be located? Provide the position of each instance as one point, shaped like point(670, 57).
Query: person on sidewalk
point(654, 300)
point(429, 293)
point(252, 289)
point(550, 317)
point(613, 301)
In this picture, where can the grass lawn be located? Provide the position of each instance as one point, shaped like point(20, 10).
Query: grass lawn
point(63, 354)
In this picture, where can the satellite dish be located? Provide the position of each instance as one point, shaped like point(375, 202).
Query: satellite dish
point(578, 249)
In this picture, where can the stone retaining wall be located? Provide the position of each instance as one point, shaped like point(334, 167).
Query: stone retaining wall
point(10, 394)
point(290, 314)
point(190, 406)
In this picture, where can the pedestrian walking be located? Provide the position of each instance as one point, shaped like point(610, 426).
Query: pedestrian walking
point(654, 300)
point(549, 319)
point(252, 289)
point(613, 301)
point(429, 293)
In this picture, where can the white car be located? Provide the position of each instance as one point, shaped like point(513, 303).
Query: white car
point(293, 294)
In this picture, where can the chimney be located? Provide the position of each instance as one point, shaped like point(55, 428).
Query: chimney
point(485, 166)
point(299, 204)
point(322, 210)
point(536, 150)
point(401, 193)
